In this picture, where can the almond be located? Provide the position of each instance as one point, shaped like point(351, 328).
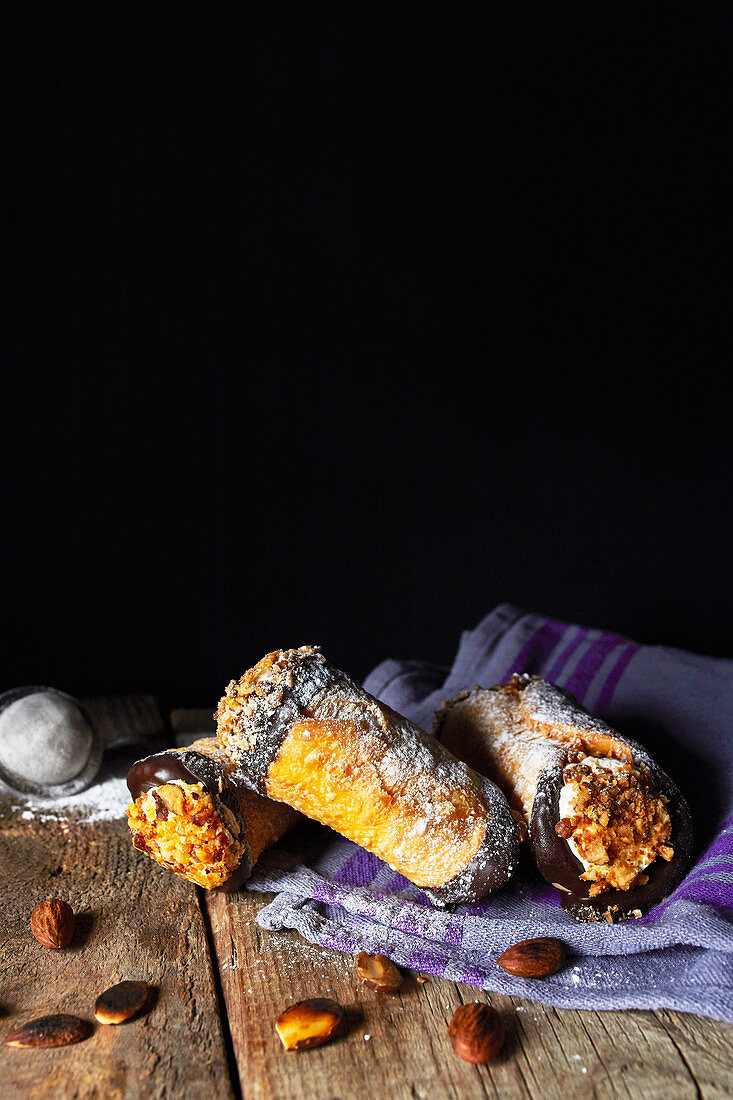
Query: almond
point(52, 923)
point(378, 973)
point(476, 1032)
point(533, 958)
point(309, 1023)
point(120, 1002)
point(50, 1031)
point(172, 798)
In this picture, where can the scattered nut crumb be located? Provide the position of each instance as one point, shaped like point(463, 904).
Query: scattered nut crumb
point(377, 972)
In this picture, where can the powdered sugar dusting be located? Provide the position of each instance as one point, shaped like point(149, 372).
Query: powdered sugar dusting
point(548, 707)
point(105, 800)
point(484, 728)
point(416, 789)
point(255, 714)
point(516, 731)
point(439, 800)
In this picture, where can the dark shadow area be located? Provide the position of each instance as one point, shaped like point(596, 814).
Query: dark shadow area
point(410, 985)
point(512, 1042)
point(353, 1019)
point(150, 1003)
point(84, 922)
point(342, 325)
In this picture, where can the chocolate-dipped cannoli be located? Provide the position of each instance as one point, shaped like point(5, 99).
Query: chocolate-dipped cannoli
point(195, 816)
point(607, 826)
point(306, 734)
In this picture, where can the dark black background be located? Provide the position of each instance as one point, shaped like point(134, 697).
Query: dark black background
point(344, 323)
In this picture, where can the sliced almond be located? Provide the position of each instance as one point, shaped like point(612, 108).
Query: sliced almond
point(121, 1002)
point(378, 972)
point(172, 798)
point(309, 1023)
point(50, 1031)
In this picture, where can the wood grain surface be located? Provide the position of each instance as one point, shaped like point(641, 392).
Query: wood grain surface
point(549, 1053)
point(134, 921)
point(221, 981)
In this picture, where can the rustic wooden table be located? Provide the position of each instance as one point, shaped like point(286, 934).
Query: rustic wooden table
point(220, 981)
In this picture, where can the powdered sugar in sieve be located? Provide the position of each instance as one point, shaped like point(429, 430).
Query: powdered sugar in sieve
point(48, 744)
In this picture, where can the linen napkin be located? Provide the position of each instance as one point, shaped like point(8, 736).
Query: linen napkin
point(679, 955)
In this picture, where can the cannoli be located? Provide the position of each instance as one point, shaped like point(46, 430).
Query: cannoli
point(195, 816)
point(606, 825)
point(306, 734)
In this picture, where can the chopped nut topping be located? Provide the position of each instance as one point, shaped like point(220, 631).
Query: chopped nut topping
point(618, 824)
point(262, 685)
point(189, 836)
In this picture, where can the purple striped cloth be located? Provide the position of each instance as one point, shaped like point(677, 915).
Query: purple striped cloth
point(679, 955)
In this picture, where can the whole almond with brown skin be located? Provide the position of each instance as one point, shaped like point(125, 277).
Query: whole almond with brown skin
point(52, 923)
point(476, 1032)
point(121, 1002)
point(50, 1031)
point(533, 958)
point(377, 972)
point(309, 1023)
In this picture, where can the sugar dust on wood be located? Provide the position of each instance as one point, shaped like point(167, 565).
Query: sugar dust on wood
point(103, 801)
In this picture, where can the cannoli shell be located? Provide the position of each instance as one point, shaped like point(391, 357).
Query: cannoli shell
point(521, 734)
point(304, 732)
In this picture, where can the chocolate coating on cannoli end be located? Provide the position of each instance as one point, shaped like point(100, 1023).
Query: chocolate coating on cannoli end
point(495, 861)
point(188, 766)
point(155, 771)
point(559, 865)
point(275, 707)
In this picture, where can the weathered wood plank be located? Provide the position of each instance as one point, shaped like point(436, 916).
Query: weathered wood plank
point(188, 723)
point(706, 1048)
point(134, 921)
point(549, 1053)
point(117, 716)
